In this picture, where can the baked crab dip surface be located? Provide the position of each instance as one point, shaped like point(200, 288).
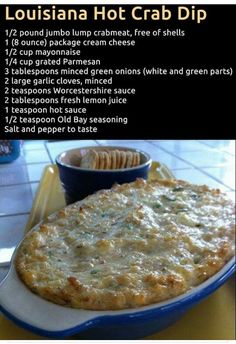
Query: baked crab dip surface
point(132, 245)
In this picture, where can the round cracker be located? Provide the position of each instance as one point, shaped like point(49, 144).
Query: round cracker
point(101, 160)
point(123, 159)
point(96, 159)
point(106, 161)
point(118, 159)
point(133, 159)
point(89, 160)
point(129, 158)
point(137, 159)
point(113, 159)
point(110, 160)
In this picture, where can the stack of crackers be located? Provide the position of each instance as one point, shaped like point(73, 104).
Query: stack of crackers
point(109, 159)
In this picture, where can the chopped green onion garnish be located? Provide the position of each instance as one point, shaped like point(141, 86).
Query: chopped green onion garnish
point(178, 188)
point(93, 272)
point(157, 205)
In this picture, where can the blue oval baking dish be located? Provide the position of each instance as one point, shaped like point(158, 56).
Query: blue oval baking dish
point(35, 314)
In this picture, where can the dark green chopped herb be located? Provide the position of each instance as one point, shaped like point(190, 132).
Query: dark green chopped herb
point(156, 205)
point(79, 246)
point(113, 284)
point(94, 271)
point(129, 226)
point(169, 198)
point(196, 259)
point(198, 225)
point(177, 189)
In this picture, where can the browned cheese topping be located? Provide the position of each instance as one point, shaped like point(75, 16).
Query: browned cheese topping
point(133, 245)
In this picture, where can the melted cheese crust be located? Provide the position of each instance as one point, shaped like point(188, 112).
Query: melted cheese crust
point(133, 245)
